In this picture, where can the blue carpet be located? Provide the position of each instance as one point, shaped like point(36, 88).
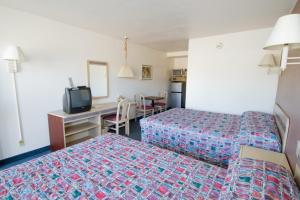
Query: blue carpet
point(135, 133)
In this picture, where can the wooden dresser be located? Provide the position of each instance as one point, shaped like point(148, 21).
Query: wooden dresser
point(69, 129)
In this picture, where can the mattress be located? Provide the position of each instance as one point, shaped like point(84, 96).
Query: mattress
point(208, 136)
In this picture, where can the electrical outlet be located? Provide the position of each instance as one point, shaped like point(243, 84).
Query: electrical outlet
point(298, 151)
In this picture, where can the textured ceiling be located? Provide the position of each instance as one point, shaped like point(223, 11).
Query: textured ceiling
point(160, 24)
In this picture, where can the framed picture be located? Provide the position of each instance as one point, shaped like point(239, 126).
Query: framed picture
point(147, 72)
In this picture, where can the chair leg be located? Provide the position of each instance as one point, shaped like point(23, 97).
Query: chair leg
point(117, 128)
point(101, 124)
point(157, 111)
point(105, 126)
point(127, 130)
point(135, 116)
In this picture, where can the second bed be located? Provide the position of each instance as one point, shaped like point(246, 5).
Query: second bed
point(208, 136)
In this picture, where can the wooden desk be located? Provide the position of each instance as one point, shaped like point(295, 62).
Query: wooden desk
point(261, 154)
point(153, 99)
point(69, 129)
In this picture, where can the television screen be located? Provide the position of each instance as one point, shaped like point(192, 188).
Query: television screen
point(80, 98)
point(76, 100)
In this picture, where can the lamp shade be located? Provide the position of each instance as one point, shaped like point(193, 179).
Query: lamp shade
point(125, 72)
point(268, 61)
point(12, 53)
point(285, 32)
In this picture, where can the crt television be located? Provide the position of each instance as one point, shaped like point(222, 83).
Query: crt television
point(76, 100)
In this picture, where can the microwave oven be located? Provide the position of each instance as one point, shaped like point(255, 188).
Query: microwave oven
point(178, 72)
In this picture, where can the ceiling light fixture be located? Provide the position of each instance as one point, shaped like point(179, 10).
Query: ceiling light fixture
point(125, 71)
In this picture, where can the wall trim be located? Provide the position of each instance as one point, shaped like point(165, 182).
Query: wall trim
point(24, 155)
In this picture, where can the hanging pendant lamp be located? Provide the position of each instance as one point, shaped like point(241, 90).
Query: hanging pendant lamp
point(125, 71)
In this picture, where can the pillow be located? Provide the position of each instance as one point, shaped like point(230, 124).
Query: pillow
point(255, 179)
point(260, 130)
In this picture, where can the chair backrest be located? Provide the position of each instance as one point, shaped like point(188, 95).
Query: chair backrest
point(137, 100)
point(140, 101)
point(164, 94)
point(123, 110)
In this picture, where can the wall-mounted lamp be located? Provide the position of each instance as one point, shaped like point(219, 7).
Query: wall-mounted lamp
point(268, 61)
point(13, 55)
point(285, 36)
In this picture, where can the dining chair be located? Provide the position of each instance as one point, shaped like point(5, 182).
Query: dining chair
point(162, 105)
point(120, 119)
point(142, 107)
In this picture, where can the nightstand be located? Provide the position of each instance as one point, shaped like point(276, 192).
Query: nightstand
point(261, 154)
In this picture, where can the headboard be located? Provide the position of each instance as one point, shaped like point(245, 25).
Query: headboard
point(283, 124)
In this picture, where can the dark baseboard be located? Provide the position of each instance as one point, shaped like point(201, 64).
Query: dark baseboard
point(32, 153)
point(24, 155)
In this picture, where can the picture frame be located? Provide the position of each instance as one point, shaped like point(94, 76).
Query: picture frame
point(146, 72)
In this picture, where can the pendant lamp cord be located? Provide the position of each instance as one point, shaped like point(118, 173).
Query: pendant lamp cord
point(125, 49)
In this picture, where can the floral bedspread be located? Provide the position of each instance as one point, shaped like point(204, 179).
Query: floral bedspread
point(255, 179)
point(212, 137)
point(112, 167)
point(259, 130)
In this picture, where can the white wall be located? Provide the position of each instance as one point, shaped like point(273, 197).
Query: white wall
point(228, 80)
point(55, 51)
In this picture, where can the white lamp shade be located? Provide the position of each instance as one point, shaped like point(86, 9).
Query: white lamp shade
point(12, 53)
point(125, 72)
point(285, 32)
point(268, 61)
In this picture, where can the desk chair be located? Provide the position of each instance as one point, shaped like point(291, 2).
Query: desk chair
point(120, 119)
point(142, 107)
point(162, 105)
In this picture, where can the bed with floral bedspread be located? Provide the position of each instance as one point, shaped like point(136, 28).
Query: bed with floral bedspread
point(116, 167)
point(112, 167)
point(208, 136)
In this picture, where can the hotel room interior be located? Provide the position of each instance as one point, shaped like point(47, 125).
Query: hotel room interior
point(140, 99)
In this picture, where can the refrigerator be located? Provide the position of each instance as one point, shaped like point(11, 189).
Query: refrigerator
point(177, 94)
